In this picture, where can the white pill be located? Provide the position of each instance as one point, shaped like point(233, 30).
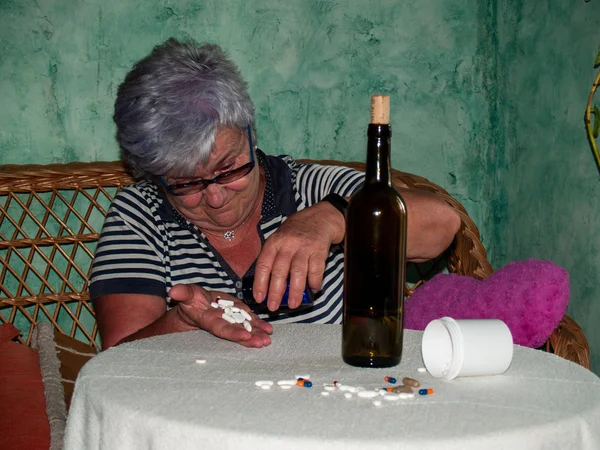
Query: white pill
point(248, 327)
point(392, 396)
point(324, 393)
point(403, 395)
point(382, 391)
point(367, 394)
point(263, 383)
point(411, 395)
point(246, 314)
point(225, 303)
point(286, 382)
point(239, 318)
point(200, 361)
point(346, 387)
point(306, 377)
point(235, 309)
point(421, 370)
point(228, 318)
point(329, 387)
point(214, 304)
point(229, 311)
point(348, 395)
point(286, 386)
point(265, 386)
point(377, 402)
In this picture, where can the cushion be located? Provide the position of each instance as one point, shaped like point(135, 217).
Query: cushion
point(23, 419)
point(530, 296)
point(72, 354)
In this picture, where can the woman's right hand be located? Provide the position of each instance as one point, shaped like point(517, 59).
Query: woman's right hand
point(193, 305)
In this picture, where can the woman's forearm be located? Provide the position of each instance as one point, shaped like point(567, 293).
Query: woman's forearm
point(432, 224)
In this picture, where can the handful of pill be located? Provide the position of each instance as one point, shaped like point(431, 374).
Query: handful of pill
point(233, 314)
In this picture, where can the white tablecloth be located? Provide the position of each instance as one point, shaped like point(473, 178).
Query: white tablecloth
point(151, 394)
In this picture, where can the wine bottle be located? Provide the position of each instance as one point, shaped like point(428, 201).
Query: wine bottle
point(375, 256)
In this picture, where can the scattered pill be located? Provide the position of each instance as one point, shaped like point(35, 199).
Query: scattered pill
point(410, 382)
point(324, 393)
point(229, 311)
point(402, 389)
point(263, 383)
point(307, 383)
point(248, 327)
point(329, 387)
point(426, 391)
point(286, 386)
point(348, 395)
point(390, 380)
point(214, 304)
point(403, 395)
point(391, 396)
point(246, 314)
point(367, 394)
point(337, 383)
point(300, 382)
point(235, 309)
point(376, 402)
point(421, 370)
point(224, 303)
point(228, 318)
point(346, 388)
point(200, 361)
point(286, 382)
point(382, 391)
point(239, 318)
point(265, 386)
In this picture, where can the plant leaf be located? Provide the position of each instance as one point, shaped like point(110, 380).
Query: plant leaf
point(596, 127)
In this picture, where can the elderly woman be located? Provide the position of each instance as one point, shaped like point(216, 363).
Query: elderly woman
point(211, 208)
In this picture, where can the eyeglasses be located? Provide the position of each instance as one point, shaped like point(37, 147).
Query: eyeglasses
point(195, 186)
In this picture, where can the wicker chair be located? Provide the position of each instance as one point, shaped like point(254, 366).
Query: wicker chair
point(51, 217)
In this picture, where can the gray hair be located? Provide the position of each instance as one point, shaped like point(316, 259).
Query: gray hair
point(172, 103)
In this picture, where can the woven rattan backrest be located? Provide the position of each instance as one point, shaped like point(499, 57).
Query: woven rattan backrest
point(50, 220)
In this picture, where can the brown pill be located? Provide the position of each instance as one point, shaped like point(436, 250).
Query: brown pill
point(400, 389)
point(411, 382)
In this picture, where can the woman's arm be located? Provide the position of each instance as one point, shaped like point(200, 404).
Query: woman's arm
point(128, 317)
point(432, 224)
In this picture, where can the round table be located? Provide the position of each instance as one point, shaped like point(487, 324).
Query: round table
point(154, 394)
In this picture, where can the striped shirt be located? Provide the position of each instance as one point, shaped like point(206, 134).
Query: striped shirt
point(146, 246)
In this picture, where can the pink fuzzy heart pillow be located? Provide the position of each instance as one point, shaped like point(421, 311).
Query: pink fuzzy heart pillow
point(530, 296)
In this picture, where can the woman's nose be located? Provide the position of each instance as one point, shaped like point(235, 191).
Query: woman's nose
point(215, 195)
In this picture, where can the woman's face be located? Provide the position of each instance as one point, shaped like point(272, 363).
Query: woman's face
point(221, 207)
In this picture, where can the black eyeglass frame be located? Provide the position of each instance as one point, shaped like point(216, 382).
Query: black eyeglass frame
point(202, 184)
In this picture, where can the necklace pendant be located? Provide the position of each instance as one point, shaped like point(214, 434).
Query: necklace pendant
point(229, 235)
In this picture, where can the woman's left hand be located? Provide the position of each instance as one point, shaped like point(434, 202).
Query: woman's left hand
point(297, 250)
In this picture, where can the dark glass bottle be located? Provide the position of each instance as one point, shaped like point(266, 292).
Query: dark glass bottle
point(308, 298)
point(375, 256)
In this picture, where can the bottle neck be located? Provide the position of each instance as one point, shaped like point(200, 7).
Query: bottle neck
point(378, 154)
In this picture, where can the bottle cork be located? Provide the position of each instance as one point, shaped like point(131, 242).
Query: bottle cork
point(380, 109)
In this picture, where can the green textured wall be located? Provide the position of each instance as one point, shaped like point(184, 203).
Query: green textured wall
point(311, 65)
point(487, 97)
point(551, 186)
